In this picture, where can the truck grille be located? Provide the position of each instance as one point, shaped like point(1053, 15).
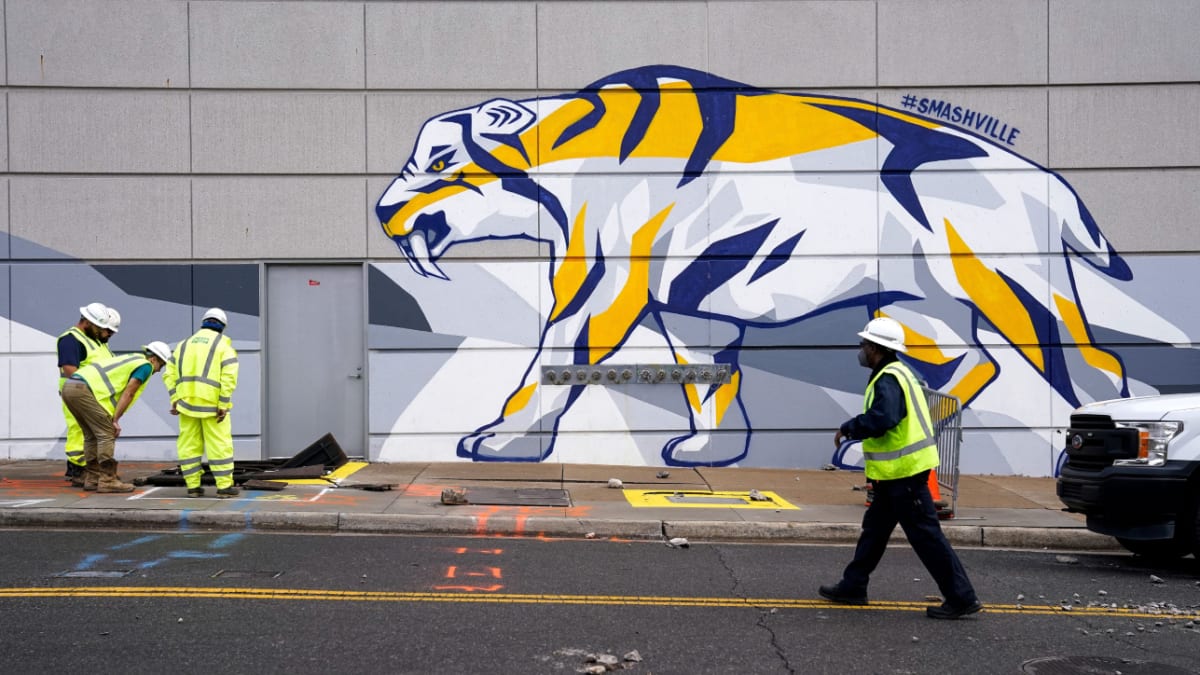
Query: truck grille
point(1094, 441)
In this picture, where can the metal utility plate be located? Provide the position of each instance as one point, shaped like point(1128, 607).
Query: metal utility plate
point(94, 574)
point(247, 574)
point(517, 496)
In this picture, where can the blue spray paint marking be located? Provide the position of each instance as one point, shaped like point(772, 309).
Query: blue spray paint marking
point(89, 560)
point(227, 540)
point(136, 542)
point(199, 555)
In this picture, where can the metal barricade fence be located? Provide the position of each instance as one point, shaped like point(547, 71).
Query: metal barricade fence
point(946, 413)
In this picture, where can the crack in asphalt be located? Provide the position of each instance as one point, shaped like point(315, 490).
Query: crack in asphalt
point(764, 613)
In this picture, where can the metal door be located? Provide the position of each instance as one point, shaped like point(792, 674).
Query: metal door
point(315, 358)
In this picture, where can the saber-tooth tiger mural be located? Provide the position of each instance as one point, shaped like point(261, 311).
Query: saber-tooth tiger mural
point(667, 196)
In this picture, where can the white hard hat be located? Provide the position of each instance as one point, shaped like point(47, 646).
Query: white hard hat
point(95, 312)
point(159, 349)
point(114, 320)
point(215, 313)
point(886, 332)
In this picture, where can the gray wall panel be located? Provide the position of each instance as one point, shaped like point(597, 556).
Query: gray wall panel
point(98, 132)
point(579, 42)
point(278, 218)
point(5, 230)
point(97, 218)
point(932, 42)
point(823, 43)
point(394, 121)
point(278, 133)
point(277, 44)
point(1095, 41)
point(116, 43)
point(6, 389)
point(1143, 210)
point(4, 140)
point(1114, 127)
point(492, 45)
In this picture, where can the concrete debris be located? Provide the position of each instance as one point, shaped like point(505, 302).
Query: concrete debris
point(604, 659)
point(756, 496)
point(663, 474)
point(916, 639)
point(678, 542)
point(633, 656)
point(593, 670)
point(1101, 592)
point(454, 496)
point(590, 535)
point(1067, 559)
point(1156, 580)
point(856, 488)
point(829, 467)
point(615, 483)
point(1020, 596)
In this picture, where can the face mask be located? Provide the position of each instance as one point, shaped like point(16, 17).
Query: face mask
point(862, 358)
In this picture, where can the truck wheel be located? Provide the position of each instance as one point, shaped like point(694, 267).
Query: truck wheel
point(1157, 549)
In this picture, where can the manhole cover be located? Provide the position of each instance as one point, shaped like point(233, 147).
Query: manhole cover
point(246, 574)
point(94, 574)
point(1096, 665)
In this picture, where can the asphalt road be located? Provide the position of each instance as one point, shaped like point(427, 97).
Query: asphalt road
point(102, 602)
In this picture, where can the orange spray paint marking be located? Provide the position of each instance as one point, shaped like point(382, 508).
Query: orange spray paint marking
point(482, 551)
point(471, 589)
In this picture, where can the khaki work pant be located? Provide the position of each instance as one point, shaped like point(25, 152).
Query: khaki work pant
point(99, 439)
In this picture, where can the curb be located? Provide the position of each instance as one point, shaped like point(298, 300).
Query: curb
point(1029, 538)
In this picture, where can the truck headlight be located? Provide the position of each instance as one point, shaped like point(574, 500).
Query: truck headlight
point(1153, 439)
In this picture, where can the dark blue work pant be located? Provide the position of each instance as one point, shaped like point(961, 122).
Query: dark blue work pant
point(907, 501)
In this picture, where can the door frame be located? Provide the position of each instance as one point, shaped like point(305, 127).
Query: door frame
point(264, 390)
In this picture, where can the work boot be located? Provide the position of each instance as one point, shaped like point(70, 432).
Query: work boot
point(109, 482)
point(91, 476)
point(73, 470)
point(951, 612)
point(836, 593)
point(226, 493)
point(192, 493)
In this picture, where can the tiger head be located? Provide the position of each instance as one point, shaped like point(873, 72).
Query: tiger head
point(466, 180)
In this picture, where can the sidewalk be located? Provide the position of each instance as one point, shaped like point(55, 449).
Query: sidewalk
point(801, 506)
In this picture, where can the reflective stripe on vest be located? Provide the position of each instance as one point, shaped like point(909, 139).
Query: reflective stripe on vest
point(199, 363)
point(908, 448)
point(93, 350)
point(108, 377)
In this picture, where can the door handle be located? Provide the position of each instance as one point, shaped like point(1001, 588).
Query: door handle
point(357, 374)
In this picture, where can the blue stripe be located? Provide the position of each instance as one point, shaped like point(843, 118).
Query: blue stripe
point(777, 257)
point(715, 266)
point(913, 145)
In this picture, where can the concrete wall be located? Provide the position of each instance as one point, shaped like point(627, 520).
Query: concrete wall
point(165, 137)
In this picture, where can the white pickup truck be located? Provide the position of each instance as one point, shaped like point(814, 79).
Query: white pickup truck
point(1133, 467)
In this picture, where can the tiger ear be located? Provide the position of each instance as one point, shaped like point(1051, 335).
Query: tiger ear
point(501, 117)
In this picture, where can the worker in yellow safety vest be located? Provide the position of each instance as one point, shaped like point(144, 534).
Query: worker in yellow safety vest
point(899, 450)
point(98, 395)
point(200, 377)
point(79, 345)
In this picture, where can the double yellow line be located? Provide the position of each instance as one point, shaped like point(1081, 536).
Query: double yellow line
point(194, 592)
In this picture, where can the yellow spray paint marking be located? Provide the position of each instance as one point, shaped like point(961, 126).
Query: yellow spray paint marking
point(540, 599)
point(343, 471)
point(705, 499)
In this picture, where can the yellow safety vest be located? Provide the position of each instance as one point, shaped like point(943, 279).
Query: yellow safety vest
point(202, 374)
point(908, 448)
point(108, 378)
point(93, 350)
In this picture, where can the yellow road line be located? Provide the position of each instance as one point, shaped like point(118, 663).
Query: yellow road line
point(537, 599)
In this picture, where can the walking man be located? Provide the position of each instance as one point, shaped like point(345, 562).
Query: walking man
point(98, 395)
point(899, 450)
point(200, 377)
point(78, 346)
